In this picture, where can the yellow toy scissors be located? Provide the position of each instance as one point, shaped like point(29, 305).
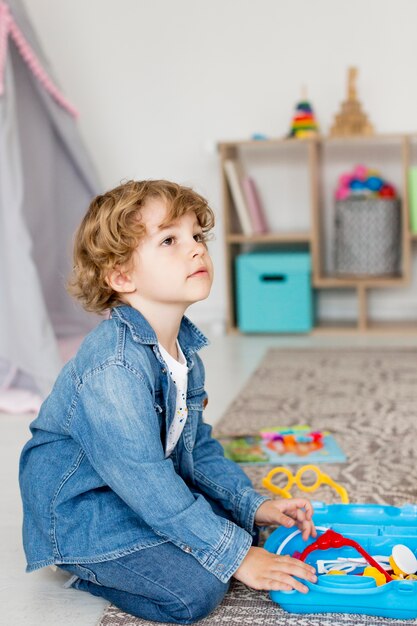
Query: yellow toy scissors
point(296, 479)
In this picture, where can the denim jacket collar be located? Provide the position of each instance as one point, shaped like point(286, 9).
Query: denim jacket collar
point(190, 337)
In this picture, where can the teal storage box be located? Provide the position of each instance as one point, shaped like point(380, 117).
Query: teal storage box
point(273, 292)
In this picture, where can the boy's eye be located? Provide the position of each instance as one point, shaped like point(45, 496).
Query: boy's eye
point(168, 241)
point(199, 237)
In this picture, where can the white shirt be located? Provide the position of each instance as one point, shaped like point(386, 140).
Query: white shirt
point(179, 374)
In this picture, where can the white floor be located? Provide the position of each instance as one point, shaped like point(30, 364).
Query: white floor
point(39, 599)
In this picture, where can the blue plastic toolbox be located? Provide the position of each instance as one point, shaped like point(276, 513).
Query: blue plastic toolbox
point(273, 292)
point(377, 529)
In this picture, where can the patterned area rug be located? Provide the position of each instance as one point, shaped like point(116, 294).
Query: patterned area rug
point(367, 398)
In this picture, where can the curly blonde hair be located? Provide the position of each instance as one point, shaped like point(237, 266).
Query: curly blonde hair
point(112, 229)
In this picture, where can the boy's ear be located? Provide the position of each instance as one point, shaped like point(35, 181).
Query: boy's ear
point(119, 280)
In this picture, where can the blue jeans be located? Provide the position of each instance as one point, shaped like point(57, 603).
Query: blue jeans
point(161, 583)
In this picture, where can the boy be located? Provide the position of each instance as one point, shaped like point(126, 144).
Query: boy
point(122, 484)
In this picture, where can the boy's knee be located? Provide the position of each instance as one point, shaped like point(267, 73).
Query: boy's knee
point(205, 597)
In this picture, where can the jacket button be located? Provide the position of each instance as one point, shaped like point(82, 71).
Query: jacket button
point(164, 370)
point(187, 549)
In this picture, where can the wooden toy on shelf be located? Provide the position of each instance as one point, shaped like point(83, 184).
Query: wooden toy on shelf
point(351, 120)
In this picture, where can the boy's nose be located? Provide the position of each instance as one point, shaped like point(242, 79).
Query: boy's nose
point(198, 249)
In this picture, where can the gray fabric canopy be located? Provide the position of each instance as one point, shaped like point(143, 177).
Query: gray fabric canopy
point(46, 184)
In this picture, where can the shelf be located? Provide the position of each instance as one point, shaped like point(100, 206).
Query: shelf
point(261, 143)
point(335, 327)
point(321, 139)
point(311, 156)
point(289, 237)
point(367, 139)
point(399, 327)
point(348, 327)
point(338, 327)
point(365, 281)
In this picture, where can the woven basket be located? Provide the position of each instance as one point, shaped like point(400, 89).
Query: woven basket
point(367, 236)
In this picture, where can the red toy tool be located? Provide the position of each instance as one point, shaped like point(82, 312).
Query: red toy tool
point(332, 539)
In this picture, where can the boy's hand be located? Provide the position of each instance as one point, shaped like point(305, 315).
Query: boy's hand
point(293, 512)
point(264, 571)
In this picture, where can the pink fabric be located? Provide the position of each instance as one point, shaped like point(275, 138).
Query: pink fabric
point(4, 32)
point(14, 400)
point(19, 401)
point(8, 26)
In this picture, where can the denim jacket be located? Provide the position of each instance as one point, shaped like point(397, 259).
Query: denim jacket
point(94, 479)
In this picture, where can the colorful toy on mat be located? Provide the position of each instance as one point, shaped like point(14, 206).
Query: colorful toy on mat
point(303, 123)
point(363, 182)
point(278, 445)
point(297, 479)
point(299, 440)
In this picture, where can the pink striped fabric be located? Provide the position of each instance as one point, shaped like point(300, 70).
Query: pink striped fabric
point(9, 27)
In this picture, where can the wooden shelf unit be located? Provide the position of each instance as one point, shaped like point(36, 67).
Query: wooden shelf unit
point(290, 237)
point(313, 239)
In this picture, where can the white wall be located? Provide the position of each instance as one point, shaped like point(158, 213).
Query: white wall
point(159, 82)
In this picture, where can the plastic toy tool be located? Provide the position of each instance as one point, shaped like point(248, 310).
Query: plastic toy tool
point(403, 561)
point(332, 539)
point(321, 479)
